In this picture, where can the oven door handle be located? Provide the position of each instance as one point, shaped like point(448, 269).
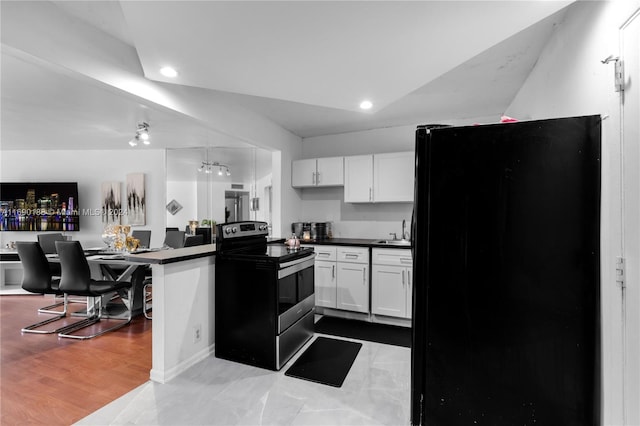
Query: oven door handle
point(294, 266)
point(295, 262)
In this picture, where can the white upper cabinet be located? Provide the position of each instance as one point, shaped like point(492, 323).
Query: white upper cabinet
point(316, 172)
point(379, 178)
point(358, 179)
point(330, 171)
point(303, 173)
point(393, 177)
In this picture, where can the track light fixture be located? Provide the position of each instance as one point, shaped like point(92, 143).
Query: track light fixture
point(210, 167)
point(142, 135)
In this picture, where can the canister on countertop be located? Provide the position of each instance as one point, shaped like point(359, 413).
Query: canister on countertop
point(306, 231)
point(320, 230)
point(297, 228)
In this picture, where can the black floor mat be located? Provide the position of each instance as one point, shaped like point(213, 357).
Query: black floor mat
point(325, 361)
point(361, 330)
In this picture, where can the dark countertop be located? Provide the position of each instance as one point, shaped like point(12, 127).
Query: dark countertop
point(358, 242)
point(275, 240)
point(163, 257)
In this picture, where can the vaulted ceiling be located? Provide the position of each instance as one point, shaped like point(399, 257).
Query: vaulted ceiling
point(305, 65)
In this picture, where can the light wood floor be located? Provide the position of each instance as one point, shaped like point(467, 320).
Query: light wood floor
point(49, 380)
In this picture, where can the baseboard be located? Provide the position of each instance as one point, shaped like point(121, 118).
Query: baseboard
point(346, 314)
point(381, 319)
point(160, 376)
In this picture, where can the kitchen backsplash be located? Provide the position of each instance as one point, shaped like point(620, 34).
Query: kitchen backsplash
point(366, 220)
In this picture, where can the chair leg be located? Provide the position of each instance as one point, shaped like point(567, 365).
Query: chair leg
point(148, 298)
point(34, 328)
point(50, 309)
point(67, 333)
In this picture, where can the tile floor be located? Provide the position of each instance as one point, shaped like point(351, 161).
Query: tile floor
point(218, 392)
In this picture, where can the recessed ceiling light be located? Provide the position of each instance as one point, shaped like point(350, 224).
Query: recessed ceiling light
point(168, 72)
point(366, 105)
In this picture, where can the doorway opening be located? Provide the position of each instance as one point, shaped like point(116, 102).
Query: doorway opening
point(236, 206)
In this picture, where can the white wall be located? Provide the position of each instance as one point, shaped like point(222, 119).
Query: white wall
point(90, 169)
point(570, 80)
point(184, 193)
point(259, 190)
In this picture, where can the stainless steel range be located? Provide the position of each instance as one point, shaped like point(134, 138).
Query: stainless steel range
point(264, 307)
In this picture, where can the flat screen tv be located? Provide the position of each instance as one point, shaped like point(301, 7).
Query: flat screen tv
point(39, 206)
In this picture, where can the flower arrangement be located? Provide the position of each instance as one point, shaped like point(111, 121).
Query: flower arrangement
point(117, 238)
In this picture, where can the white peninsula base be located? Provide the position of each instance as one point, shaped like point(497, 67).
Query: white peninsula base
point(183, 308)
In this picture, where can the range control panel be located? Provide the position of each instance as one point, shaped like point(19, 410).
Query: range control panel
point(242, 229)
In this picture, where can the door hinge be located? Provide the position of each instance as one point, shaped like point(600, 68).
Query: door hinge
point(618, 71)
point(620, 275)
point(619, 76)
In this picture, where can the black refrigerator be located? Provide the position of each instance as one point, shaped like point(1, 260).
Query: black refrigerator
point(506, 303)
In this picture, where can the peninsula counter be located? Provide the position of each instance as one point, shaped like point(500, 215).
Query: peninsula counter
point(183, 308)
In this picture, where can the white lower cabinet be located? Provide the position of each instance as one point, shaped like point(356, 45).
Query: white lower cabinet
point(353, 279)
point(325, 276)
point(391, 282)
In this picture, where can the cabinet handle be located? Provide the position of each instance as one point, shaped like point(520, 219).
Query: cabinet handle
point(364, 275)
point(405, 260)
point(370, 197)
point(409, 278)
point(402, 278)
point(313, 178)
point(317, 178)
point(333, 271)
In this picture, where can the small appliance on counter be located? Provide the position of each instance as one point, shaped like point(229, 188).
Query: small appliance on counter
point(311, 231)
point(298, 229)
point(320, 230)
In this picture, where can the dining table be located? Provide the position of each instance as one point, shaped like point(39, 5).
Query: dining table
point(110, 265)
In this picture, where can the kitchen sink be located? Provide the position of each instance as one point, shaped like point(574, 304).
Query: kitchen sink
point(394, 242)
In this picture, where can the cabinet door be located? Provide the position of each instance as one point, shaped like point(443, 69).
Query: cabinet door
point(330, 171)
point(393, 177)
point(303, 173)
point(389, 291)
point(358, 179)
point(325, 279)
point(409, 278)
point(353, 287)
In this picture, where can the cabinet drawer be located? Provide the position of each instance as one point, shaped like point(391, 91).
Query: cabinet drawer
point(353, 254)
point(393, 257)
point(325, 252)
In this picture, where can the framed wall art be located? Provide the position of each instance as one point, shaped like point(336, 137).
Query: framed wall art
point(174, 207)
point(111, 203)
point(136, 202)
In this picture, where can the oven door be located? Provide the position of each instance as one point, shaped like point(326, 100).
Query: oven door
point(295, 290)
